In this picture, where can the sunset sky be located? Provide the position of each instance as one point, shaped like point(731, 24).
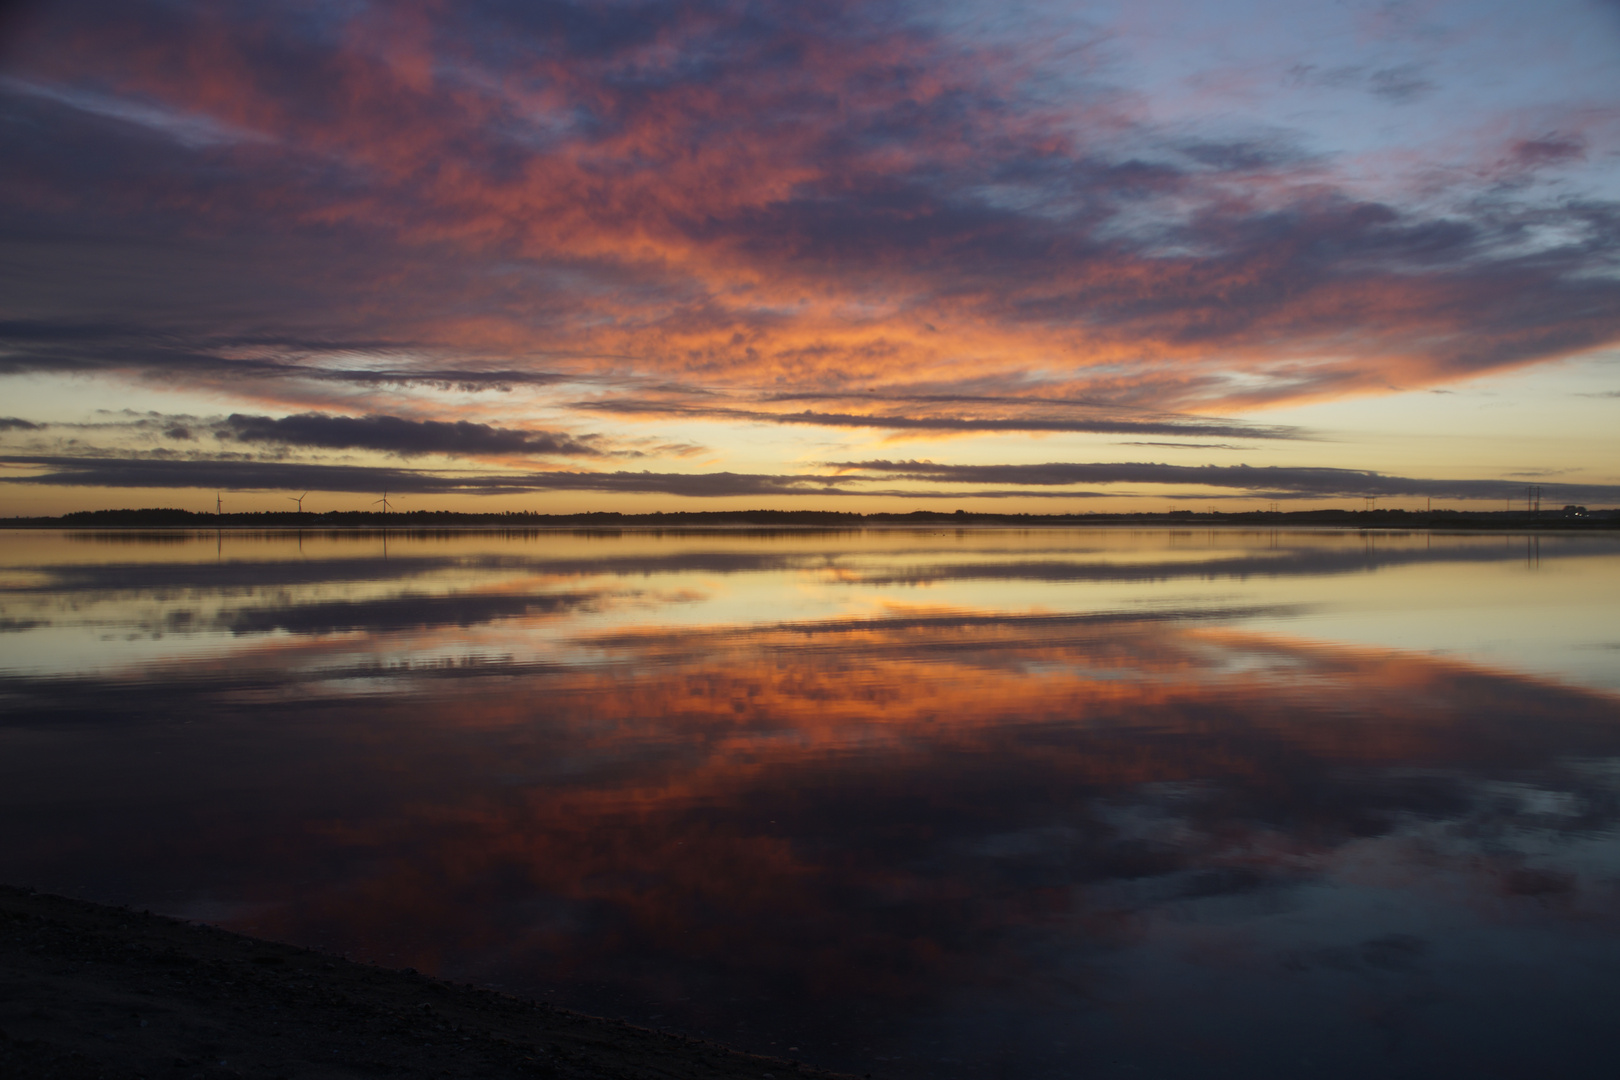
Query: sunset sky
point(1019, 256)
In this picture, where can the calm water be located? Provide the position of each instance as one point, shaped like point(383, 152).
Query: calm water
point(933, 803)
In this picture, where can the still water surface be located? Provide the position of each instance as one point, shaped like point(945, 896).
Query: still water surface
point(972, 803)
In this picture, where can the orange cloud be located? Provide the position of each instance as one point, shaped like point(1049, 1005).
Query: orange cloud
point(812, 201)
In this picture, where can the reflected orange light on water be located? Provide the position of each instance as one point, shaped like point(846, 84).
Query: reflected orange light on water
point(679, 760)
point(557, 767)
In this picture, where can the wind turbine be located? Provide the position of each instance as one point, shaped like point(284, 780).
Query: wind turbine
point(385, 505)
point(299, 501)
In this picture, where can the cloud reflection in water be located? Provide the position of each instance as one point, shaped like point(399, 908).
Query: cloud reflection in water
point(1021, 842)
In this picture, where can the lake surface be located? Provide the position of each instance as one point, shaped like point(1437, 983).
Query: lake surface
point(978, 803)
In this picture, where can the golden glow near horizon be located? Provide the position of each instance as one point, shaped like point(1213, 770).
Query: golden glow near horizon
point(996, 257)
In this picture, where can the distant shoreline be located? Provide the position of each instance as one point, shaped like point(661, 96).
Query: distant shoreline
point(1580, 519)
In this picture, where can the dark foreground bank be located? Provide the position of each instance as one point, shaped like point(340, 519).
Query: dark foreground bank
point(90, 991)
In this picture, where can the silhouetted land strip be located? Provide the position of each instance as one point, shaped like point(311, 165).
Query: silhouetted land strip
point(1578, 519)
point(89, 991)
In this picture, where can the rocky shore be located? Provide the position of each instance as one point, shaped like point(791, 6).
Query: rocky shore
point(89, 991)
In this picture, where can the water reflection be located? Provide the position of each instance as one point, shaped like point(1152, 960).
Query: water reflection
point(879, 796)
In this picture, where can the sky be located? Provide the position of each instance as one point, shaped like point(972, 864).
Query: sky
point(1020, 256)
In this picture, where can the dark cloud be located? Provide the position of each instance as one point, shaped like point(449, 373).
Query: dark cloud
point(103, 573)
point(396, 435)
point(236, 580)
point(42, 345)
point(230, 475)
point(854, 478)
point(395, 613)
point(236, 475)
point(1274, 481)
point(1400, 84)
point(12, 423)
point(1299, 562)
point(1010, 397)
point(36, 346)
point(1075, 423)
point(239, 579)
point(984, 493)
point(30, 345)
point(1243, 155)
point(701, 641)
point(1551, 149)
point(1191, 446)
point(442, 378)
